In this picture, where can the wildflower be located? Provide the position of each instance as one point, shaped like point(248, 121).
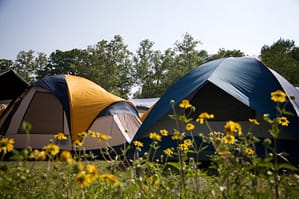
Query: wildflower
point(224, 153)
point(6, 145)
point(283, 121)
point(164, 132)
point(103, 137)
point(188, 142)
point(278, 96)
point(42, 155)
point(215, 137)
point(109, 179)
point(232, 127)
point(66, 156)
point(189, 126)
point(60, 136)
point(92, 171)
point(238, 129)
point(204, 116)
point(82, 135)
point(83, 179)
point(78, 167)
point(228, 139)
point(37, 155)
point(168, 151)
point(185, 104)
point(154, 181)
point(78, 143)
point(176, 135)
point(51, 149)
point(92, 133)
point(155, 136)
point(249, 151)
point(138, 143)
point(254, 121)
point(34, 154)
point(185, 145)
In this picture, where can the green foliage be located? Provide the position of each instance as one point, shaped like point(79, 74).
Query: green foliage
point(283, 57)
point(222, 53)
point(147, 72)
point(235, 170)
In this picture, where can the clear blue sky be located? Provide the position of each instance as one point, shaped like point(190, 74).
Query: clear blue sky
point(47, 25)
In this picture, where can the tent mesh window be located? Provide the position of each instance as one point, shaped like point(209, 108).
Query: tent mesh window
point(213, 100)
point(45, 114)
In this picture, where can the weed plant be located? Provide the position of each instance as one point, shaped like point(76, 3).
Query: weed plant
point(235, 169)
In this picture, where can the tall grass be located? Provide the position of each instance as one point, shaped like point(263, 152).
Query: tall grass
point(235, 169)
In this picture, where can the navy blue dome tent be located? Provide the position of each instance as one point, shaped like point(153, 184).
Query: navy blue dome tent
point(232, 89)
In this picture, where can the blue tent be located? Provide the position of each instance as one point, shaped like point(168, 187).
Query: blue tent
point(232, 89)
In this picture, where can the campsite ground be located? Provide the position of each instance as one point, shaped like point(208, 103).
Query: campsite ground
point(56, 179)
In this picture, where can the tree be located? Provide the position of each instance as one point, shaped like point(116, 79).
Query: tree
point(28, 66)
point(110, 66)
point(187, 57)
point(143, 64)
point(283, 57)
point(222, 53)
point(65, 62)
point(6, 64)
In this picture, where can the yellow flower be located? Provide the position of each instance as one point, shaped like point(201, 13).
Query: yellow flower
point(92, 133)
point(77, 143)
point(37, 155)
point(183, 147)
point(154, 181)
point(278, 96)
point(232, 127)
point(188, 142)
point(215, 136)
point(168, 151)
point(238, 129)
point(224, 153)
point(82, 179)
point(103, 137)
point(229, 139)
point(254, 121)
point(155, 136)
point(66, 156)
point(82, 135)
point(109, 179)
point(79, 167)
point(92, 171)
point(189, 126)
point(204, 116)
point(51, 149)
point(60, 136)
point(42, 155)
point(6, 145)
point(185, 104)
point(249, 151)
point(283, 121)
point(138, 143)
point(164, 132)
point(176, 135)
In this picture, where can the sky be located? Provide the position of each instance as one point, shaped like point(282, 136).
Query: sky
point(49, 25)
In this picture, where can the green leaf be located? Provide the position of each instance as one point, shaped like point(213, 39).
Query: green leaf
point(174, 164)
point(288, 167)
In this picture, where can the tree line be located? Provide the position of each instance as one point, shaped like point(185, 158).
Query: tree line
point(146, 72)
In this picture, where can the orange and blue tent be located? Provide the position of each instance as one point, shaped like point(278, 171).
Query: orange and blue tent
point(71, 105)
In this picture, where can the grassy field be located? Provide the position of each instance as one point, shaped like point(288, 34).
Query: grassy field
point(235, 170)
